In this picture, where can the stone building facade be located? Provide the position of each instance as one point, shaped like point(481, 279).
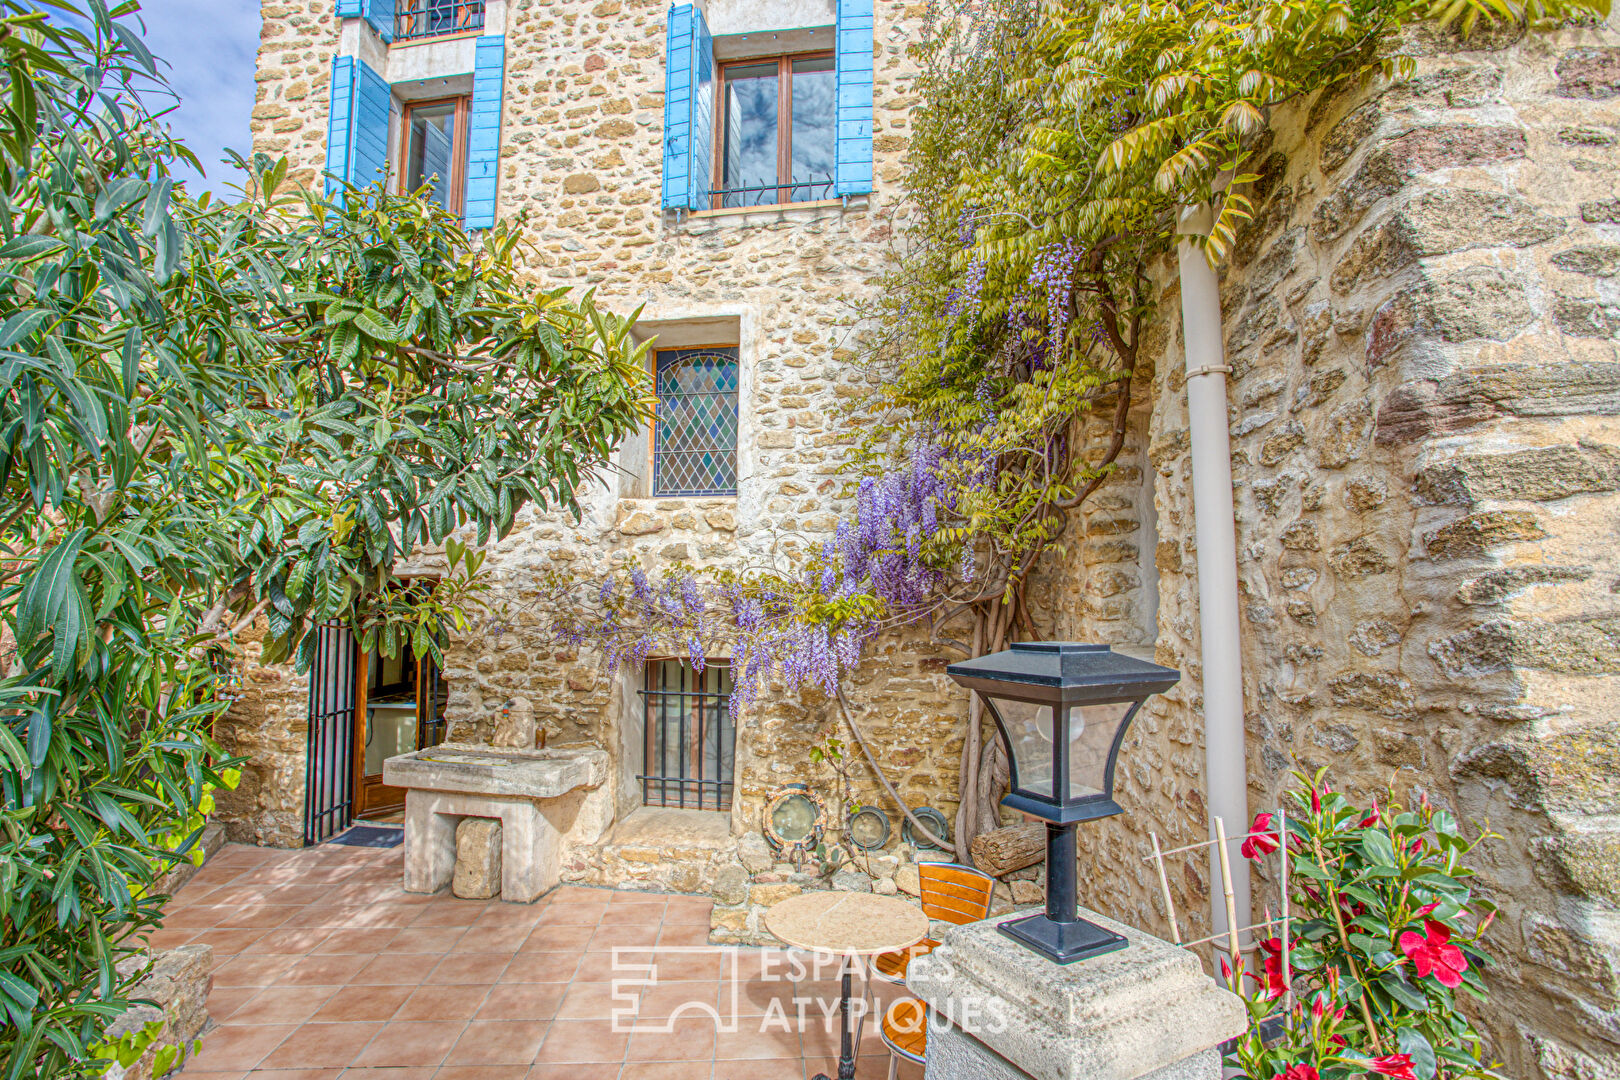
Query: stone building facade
point(1425, 419)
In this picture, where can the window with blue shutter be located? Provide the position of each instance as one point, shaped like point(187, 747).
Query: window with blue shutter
point(688, 110)
point(357, 126)
point(379, 13)
point(853, 174)
point(484, 134)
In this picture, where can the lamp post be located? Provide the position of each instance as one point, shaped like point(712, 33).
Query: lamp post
point(1062, 709)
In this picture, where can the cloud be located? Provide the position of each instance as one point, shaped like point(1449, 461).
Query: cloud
point(207, 49)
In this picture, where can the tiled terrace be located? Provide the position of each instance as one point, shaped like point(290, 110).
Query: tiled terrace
point(325, 967)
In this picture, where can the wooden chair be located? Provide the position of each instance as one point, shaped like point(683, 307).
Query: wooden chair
point(950, 893)
point(905, 1033)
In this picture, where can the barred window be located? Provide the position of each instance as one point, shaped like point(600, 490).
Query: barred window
point(695, 436)
point(690, 739)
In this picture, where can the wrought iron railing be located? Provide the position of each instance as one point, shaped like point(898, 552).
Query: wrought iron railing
point(690, 737)
point(808, 189)
point(418, 19)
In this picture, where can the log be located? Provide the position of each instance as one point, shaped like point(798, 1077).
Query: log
point(1002, 851)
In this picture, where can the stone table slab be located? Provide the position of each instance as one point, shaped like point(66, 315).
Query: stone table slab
point(847, 923)
point(482, 770)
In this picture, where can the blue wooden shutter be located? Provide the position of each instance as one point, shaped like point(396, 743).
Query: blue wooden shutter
point(678, 51)
point(349, 9)
point(368, 147)
point(340, 123)
point(357, 125)
point(380, 14)
point(853, 171)
point(701, 175)
point(484, 140)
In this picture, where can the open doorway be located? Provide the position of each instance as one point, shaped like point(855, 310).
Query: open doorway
point(401, 711)
point(363, 709)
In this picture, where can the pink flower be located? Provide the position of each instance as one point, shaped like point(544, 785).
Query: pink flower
point(1297, 1072)
point(1398, 1066)
point(1265, 839)
point(1435, 954)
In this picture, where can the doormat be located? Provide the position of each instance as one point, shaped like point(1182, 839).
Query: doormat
point(369, 836)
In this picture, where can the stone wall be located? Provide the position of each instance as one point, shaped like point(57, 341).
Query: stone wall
point(1422, 324)
point(581, 160)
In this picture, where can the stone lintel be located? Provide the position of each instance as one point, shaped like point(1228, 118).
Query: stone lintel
point(1121, 1016)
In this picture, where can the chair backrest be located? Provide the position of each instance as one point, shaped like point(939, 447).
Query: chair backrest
point(953, 893)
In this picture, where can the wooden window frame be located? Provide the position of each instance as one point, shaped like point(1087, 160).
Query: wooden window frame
point(784, 124)
point(458, 153)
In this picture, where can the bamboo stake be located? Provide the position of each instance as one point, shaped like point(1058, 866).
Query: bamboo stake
point(1231, 900)
point(1164, 883)
point(1288, 979)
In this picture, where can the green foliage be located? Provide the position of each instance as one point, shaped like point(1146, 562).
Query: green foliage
point(1055, 149)
point(128, 1048)
point(1385, 932)
point(210, 414)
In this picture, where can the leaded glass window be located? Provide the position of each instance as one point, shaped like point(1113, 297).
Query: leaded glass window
point(695, 436)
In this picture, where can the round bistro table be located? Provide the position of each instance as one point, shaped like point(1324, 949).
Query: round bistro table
point(847, 924)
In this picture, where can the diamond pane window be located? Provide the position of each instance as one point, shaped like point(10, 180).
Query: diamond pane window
point(695, 437)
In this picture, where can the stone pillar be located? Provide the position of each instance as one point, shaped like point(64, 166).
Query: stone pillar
point(997, 1011)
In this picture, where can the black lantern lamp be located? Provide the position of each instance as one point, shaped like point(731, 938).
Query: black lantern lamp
point(1064, 776)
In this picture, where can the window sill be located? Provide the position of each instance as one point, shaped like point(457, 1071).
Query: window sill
point(434, 39)
point(768, 215)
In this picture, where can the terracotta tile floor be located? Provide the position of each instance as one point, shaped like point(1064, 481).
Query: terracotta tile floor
point(324, 967)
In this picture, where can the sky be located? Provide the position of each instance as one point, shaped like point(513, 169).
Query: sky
point(209, 47)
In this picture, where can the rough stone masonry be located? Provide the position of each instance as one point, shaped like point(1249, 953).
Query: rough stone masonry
point(1422, 322)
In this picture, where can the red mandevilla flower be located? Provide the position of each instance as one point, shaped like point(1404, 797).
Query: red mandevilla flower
point(1373, 816)
point(1398, 1066)
point(1274, 982)
point(1435, 954)
point(1265, 839)
point(1297, 1072)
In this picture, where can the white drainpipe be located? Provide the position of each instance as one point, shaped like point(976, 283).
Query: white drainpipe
point(1214, 526)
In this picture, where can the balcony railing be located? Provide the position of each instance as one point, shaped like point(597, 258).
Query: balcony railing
point(418, 19)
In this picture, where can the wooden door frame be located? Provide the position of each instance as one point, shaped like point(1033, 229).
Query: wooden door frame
point(362, 665)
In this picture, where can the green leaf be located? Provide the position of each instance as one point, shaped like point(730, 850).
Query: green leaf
point(1415, 1046)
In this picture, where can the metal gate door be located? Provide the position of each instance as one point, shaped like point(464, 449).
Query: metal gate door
point(329, 781)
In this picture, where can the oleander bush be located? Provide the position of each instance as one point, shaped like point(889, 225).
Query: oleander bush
point(216, 413)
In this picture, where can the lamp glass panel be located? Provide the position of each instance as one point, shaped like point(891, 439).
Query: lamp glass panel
point(1029, 735)
point(1091, 736)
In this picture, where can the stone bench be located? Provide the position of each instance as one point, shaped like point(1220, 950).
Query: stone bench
point(546, 800)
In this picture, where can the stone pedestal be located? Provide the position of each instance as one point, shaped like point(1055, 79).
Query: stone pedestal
point(478, 859)
point(545, 801)
point(998, 1011)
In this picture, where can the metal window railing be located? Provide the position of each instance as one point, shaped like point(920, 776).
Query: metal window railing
point(689, 758)
point(418, 19)
point(808, 189)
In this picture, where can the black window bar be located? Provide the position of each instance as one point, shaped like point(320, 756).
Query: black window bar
point(690, 739)
point(797, 190)
point(417, 19)
point(329, 762)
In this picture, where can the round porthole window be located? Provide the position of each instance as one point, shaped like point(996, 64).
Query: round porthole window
point(935, 822)
point(794, 818)
point(869, 828)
